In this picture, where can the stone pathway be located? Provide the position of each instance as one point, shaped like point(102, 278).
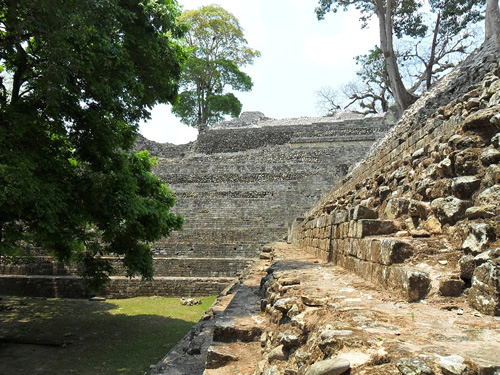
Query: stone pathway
point(316, 311)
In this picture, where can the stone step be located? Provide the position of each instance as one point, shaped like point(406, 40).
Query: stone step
point(119, 286)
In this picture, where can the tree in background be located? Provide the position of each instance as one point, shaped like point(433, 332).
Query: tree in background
point(492, 27)
point(404, 18)
point(77, 76)
point(218, 52)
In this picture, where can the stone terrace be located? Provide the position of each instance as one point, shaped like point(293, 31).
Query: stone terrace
point(238, 188)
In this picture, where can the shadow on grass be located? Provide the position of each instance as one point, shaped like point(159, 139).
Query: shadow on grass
point(52, 336)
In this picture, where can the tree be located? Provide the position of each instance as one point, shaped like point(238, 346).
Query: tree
point(78, 75)
point(492, 27)
point(399, 18)
point(368, 94)
point(219, 51)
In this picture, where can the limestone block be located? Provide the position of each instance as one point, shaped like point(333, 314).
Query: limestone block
point(396, 207)
point(400, 173)
point(291, 338)
point(374, 250)
point(414, 366)
point(490, 196)
point(375, 227)
point(480, 235)
point(335, 231)
point(451, 287)
point(353, 229)
point(353, 244)
point(344, 230)
point(362, 212)
point(329, 367)
point(342, 245)
point(418, 209)
point(363, 249)
point(467, 162)
point(312, 300)
point(452, 364)
point(285, 304)
point(491, 176)
point(340, 217)
point(484, 212)
point(450, 209)
point(484, 294)
point(432, 225)
point(467, 265)
point(463, 187)
point(490, 156)
point(413, 284)
point(394, 251)
point(219, 356)
point(277, 354)
point(378, 274)
point(384, 191)
point(495, 140)
point(480, 120)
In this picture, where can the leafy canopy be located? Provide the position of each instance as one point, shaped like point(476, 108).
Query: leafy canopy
point(77, 76)
point(218, 52)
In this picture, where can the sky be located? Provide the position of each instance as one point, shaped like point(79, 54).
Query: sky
point(299, 55)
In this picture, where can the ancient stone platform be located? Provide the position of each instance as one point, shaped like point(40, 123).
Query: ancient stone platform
point(294, 311)
point(239, 186)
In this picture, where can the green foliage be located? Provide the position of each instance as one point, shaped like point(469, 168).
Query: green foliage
point(78, 76)
point(218, 52)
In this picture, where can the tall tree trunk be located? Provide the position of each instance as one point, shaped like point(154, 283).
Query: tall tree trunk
point(428, 70)
point(403, 98)
point(492, 24)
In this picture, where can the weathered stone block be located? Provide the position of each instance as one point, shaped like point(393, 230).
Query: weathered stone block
point(467, 265)
point(361, 212)
point(353, 244)
point(451, 287)
point(463, 187)
point(490, 196)
point(412, 284)
point(450, 209)
point(353, 229)
point(375, 227)
point(396, 207)
point(374, 251)
point(418, 209)
point(329, 367)
point(467, 162)
point(490, 156)
point(364, 249)
point(340, 217)
point(484, 294)
point(394, 251)
point(481, 120)
point(219, 356)
point(480, 235)
point(415, 366)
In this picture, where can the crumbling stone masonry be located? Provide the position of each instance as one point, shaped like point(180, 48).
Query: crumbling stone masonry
point(427, 199)
point(417, 222)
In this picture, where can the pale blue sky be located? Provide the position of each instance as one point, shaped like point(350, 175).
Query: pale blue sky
point(299, 55)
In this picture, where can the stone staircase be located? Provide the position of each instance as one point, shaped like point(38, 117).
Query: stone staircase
point(237, 189)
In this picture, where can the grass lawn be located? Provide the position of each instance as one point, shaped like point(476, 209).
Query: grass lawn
point(58, 336)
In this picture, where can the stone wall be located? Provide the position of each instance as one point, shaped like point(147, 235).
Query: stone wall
point(420, 214)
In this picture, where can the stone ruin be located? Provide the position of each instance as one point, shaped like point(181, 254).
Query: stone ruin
point(396, 270)
point(393, 271)
point(239, 186)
